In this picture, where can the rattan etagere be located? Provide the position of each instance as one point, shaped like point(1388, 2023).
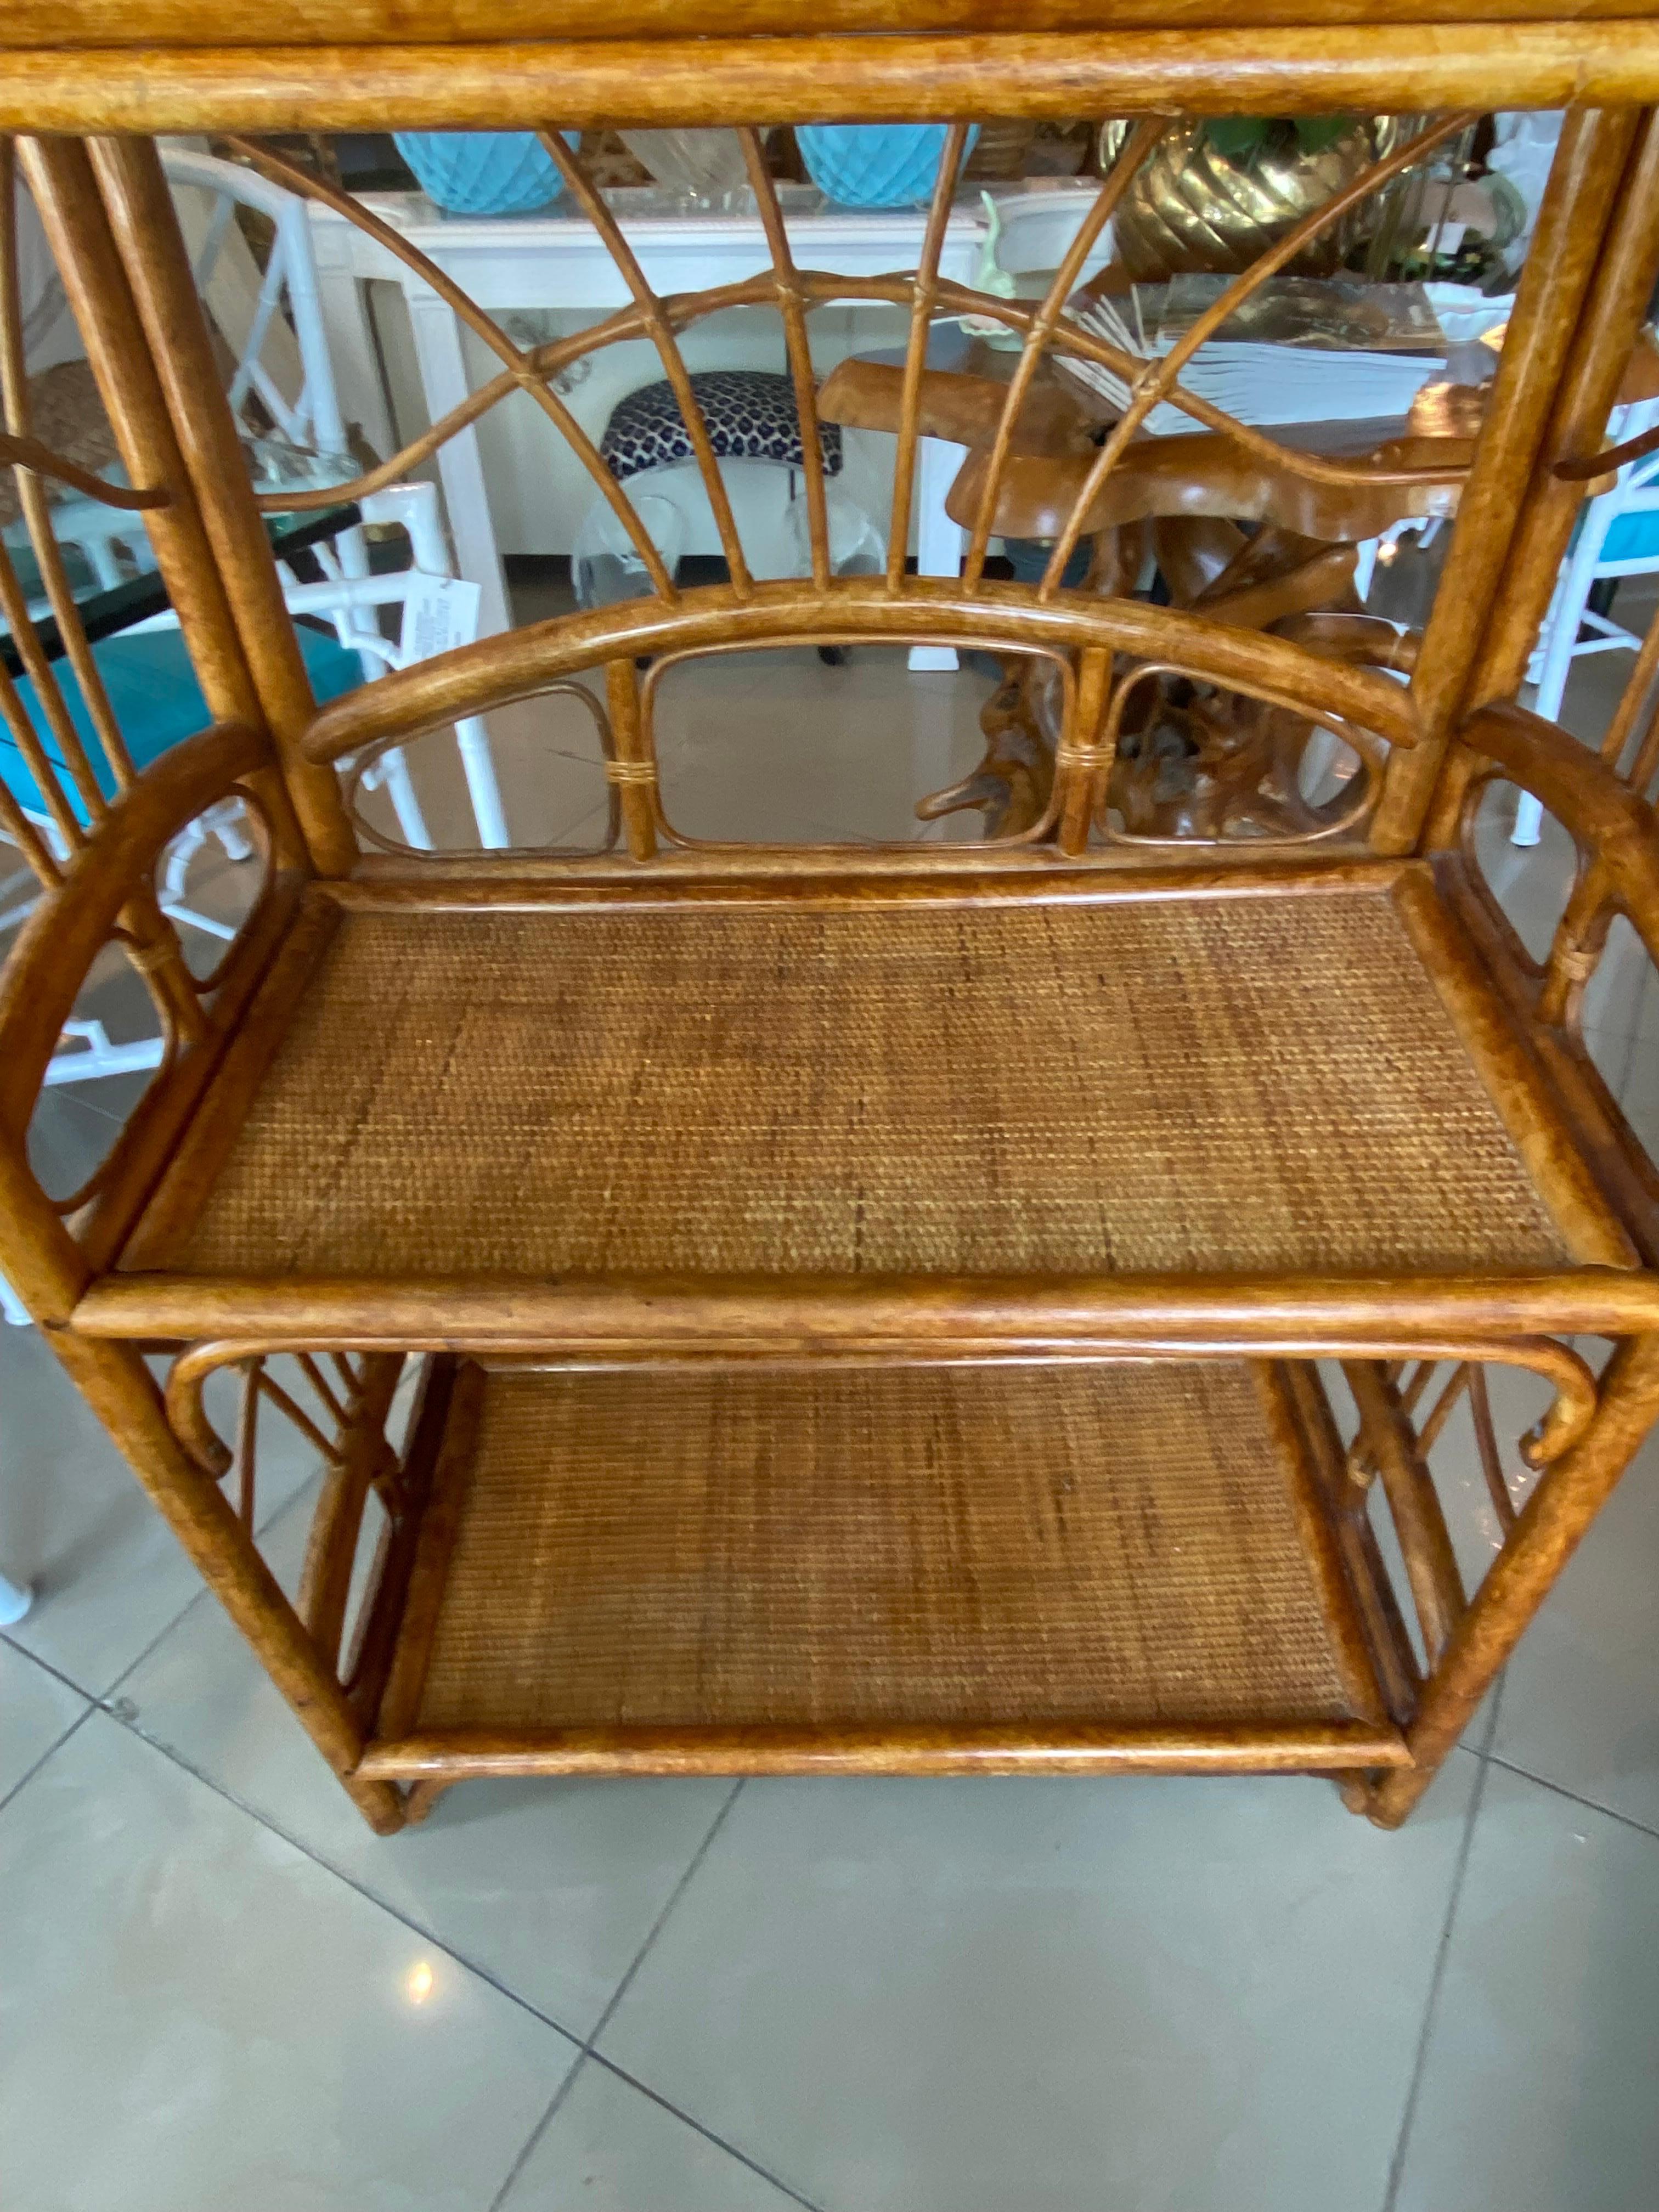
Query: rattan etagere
point(991, 1305)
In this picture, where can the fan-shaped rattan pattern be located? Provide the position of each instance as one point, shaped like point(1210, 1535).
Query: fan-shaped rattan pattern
point(934, 1086)
point(929, 1544)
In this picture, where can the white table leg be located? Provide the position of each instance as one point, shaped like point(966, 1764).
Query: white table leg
point(351, 351)
point(939, 540)
point(444, 385)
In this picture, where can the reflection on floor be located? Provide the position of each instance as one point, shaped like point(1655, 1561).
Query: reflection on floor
point(220, 1992)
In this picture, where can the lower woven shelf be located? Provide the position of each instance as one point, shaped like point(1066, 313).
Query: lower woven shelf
point(920, 1568)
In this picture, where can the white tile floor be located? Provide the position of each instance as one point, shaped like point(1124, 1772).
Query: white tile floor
point(220, 1993)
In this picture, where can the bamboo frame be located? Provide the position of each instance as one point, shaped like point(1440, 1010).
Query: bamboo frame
point(100, 1276)
point(1351, 66)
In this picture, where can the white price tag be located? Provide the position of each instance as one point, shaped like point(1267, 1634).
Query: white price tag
point(440, 613)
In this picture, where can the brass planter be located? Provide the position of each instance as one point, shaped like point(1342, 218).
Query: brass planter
point(1192, 208)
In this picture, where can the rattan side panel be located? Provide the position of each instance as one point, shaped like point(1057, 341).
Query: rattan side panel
point(873, 1545)
point(1181, 1085)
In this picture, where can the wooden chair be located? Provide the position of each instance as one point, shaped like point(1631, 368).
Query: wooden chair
point(931, 1309)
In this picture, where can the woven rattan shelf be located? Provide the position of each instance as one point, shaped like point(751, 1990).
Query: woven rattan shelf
point(922, 1568)
point(1219, 1082)
point(1076, 1285)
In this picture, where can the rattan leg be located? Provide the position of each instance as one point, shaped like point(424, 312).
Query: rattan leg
point(422, 1796)
point(1548, 1532)
point(117, 1385)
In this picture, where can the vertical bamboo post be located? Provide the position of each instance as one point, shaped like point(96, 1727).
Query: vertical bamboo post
point(1596, 366)
point(61, 180)
point(1549, 1531)
point(147, 238)
point(1081, 762)
point(1583, 184)
point(923, 294)
point(632, 767)
point(66, 195)
point(119, 1388)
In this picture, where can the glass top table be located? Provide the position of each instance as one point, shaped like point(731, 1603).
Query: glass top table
point(107, 609)
point(115, 584)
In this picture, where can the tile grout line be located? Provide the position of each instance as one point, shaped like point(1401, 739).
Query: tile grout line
point(610, 2064)
point(657, 1925)
point(103, 1698)
point(617, 1996)
point(587, 2052)
point(599, 2058)
point(109, 1706)
point(202, 1595)
point(1572, 1796)
point(50, 1751)
point(1443, 1950)
point(582, 2049)
point(47, 1668)
point(538, 2130)
point(456, 1958)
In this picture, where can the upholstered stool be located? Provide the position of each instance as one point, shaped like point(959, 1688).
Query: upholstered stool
point(751, 415)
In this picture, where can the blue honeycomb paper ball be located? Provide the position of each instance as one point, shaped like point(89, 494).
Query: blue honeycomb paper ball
point(874, 165)
point(483, 172)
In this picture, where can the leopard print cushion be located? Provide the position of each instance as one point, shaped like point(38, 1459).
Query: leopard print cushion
point(752, 417)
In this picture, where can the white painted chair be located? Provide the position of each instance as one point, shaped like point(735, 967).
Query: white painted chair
point(437, 610)
point(292, 393)
point(1618, 536)
point(282, 391)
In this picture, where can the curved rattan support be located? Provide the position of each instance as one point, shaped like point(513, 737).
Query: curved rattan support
point(352, 783)
point(63, 936)
point(23, 452)
point(1566, 1422)
point(490, 332)
point(1607, 821)
point(928, 809)
point(32, 466)
point(925, 294)
point(1040, 331)
point(1372, 752)
point(107, 893)
point(793, 291)
point(680, 310)
point(1158, 381)
point(187, 1380)
point(791, 306)
point(479, 677)
point(592, 203)
point(1607, 463)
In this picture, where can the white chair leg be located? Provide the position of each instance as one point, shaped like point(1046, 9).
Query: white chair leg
point(1528, 821)
point(478, 765)
point(1554, 662)
point(392, 770)
point(16, 1598)
point(182, 851)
